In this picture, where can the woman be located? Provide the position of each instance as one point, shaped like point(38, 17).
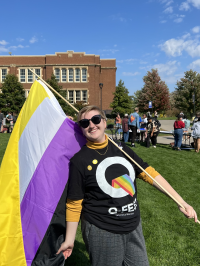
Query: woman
point(110, 216)
point(196, 135)
point(125, 128)
point(143, 128)
point(152, 132)
point(178, 132)
point(118, 124)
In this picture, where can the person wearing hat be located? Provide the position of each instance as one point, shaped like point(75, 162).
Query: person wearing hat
point(178, 132)
point(152, 132)
point(125, 128)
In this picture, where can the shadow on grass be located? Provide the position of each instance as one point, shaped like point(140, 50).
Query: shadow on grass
point(79, 256)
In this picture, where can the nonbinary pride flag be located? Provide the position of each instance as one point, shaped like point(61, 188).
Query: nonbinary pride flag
point(33, 178)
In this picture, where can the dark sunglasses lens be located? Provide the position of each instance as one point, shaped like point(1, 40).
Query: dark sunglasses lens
point(84, 123)
point(96, 119)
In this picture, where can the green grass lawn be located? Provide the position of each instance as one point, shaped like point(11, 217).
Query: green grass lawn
point(171, 239)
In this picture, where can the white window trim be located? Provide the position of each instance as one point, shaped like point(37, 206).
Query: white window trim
point(1, 72)
point(26, 74)
point(74, 94)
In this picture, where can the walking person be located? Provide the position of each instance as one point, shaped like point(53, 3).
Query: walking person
point(118, 125)
point(9, 118)
point(196, 135)
point(125, 128)
point(152, 132)
point(178, 132)
point(134, 125)
point(1, 121)
point(106, 198)
point(143, 126)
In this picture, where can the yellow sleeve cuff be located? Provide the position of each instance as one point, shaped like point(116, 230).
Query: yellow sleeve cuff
point(152, 172)
point(73, 210)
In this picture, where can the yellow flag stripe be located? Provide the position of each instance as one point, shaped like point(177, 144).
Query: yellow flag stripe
point(11, 238)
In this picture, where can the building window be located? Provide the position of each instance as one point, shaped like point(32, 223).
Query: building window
point(84, 75)
point(30, 76)
point(78, 96)
point(84, 96)
point(77, 71)
point(3, 74)
point(71, 96)
point(57, 74)
point(22, 75)
point(64, 74)
point(71, 75)
point(37, 71)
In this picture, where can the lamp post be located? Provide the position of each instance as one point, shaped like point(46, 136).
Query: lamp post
point(101, 87)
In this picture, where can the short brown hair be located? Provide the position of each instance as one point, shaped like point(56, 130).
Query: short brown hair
point(89, 108)
point(136, 109)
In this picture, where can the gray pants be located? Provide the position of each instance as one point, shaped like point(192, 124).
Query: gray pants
point(109, 249)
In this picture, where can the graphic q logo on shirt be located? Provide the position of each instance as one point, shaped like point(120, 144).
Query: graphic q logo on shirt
point(121, 186)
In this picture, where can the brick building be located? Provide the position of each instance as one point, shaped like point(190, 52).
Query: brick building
point(78, 73)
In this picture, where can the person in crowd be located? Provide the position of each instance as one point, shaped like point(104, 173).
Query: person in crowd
point(125, 128)
point(1, 121)
point(196, 135)
point(9, 118)
point(143, 126)
point(134, 125)
point(182, 114)
point(196, 117)
point(186, 128)
point(118, 122)
point(152, 132)
point(178, 132)
point(110, 216)
point(155, 114)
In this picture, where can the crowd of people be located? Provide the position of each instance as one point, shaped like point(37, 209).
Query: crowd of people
point(134, 127)
point(146, 129)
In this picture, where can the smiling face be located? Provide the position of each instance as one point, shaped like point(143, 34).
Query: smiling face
point(94, 133)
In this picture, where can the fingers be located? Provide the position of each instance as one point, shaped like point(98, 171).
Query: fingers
point(190, 213)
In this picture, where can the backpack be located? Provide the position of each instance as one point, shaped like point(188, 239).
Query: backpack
point(157, 124)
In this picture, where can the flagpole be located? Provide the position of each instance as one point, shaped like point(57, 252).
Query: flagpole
point(116, 146)
point(54, 91)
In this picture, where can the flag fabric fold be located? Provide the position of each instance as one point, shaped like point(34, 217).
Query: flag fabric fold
point(33, 180)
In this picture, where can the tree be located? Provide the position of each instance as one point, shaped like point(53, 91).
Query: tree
point(12, 97)
point(154, 90)
point(54, 84)
point(184, 91)
point(122, 102)
point(136, 97)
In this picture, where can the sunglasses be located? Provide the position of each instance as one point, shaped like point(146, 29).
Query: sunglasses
point(84, 123)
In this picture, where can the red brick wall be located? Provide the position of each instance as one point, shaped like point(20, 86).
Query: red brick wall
point(100, 71)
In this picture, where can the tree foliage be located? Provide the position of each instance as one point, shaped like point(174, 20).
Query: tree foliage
point(54, 84)
point(12, 97)
point(154, 90)
point(184, 91)
point(122, 102)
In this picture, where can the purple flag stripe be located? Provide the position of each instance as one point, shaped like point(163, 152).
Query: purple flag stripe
point(47, 185)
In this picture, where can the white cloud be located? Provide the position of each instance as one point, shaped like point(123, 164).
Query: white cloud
point(168, 10)
point(163, 21)
point(186, 5)
point(175, 47)
point(143, 62)
point(14, 47)
point(167, 2)
point(33, 40)
point(196, 29)
point(178, 20)
point(20, 39)
point(115, 45)
point(130, 74)
point(3, 42)
point(127, 60)
point(167, 69)
point(3, 49)
point(195, 65)
point(119, 18)
point(110, 50)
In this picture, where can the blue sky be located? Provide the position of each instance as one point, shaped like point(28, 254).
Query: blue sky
point(141, 35)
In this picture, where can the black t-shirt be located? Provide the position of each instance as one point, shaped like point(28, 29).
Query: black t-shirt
point(107, 185)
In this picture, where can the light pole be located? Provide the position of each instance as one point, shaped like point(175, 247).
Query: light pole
point(101, 87)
